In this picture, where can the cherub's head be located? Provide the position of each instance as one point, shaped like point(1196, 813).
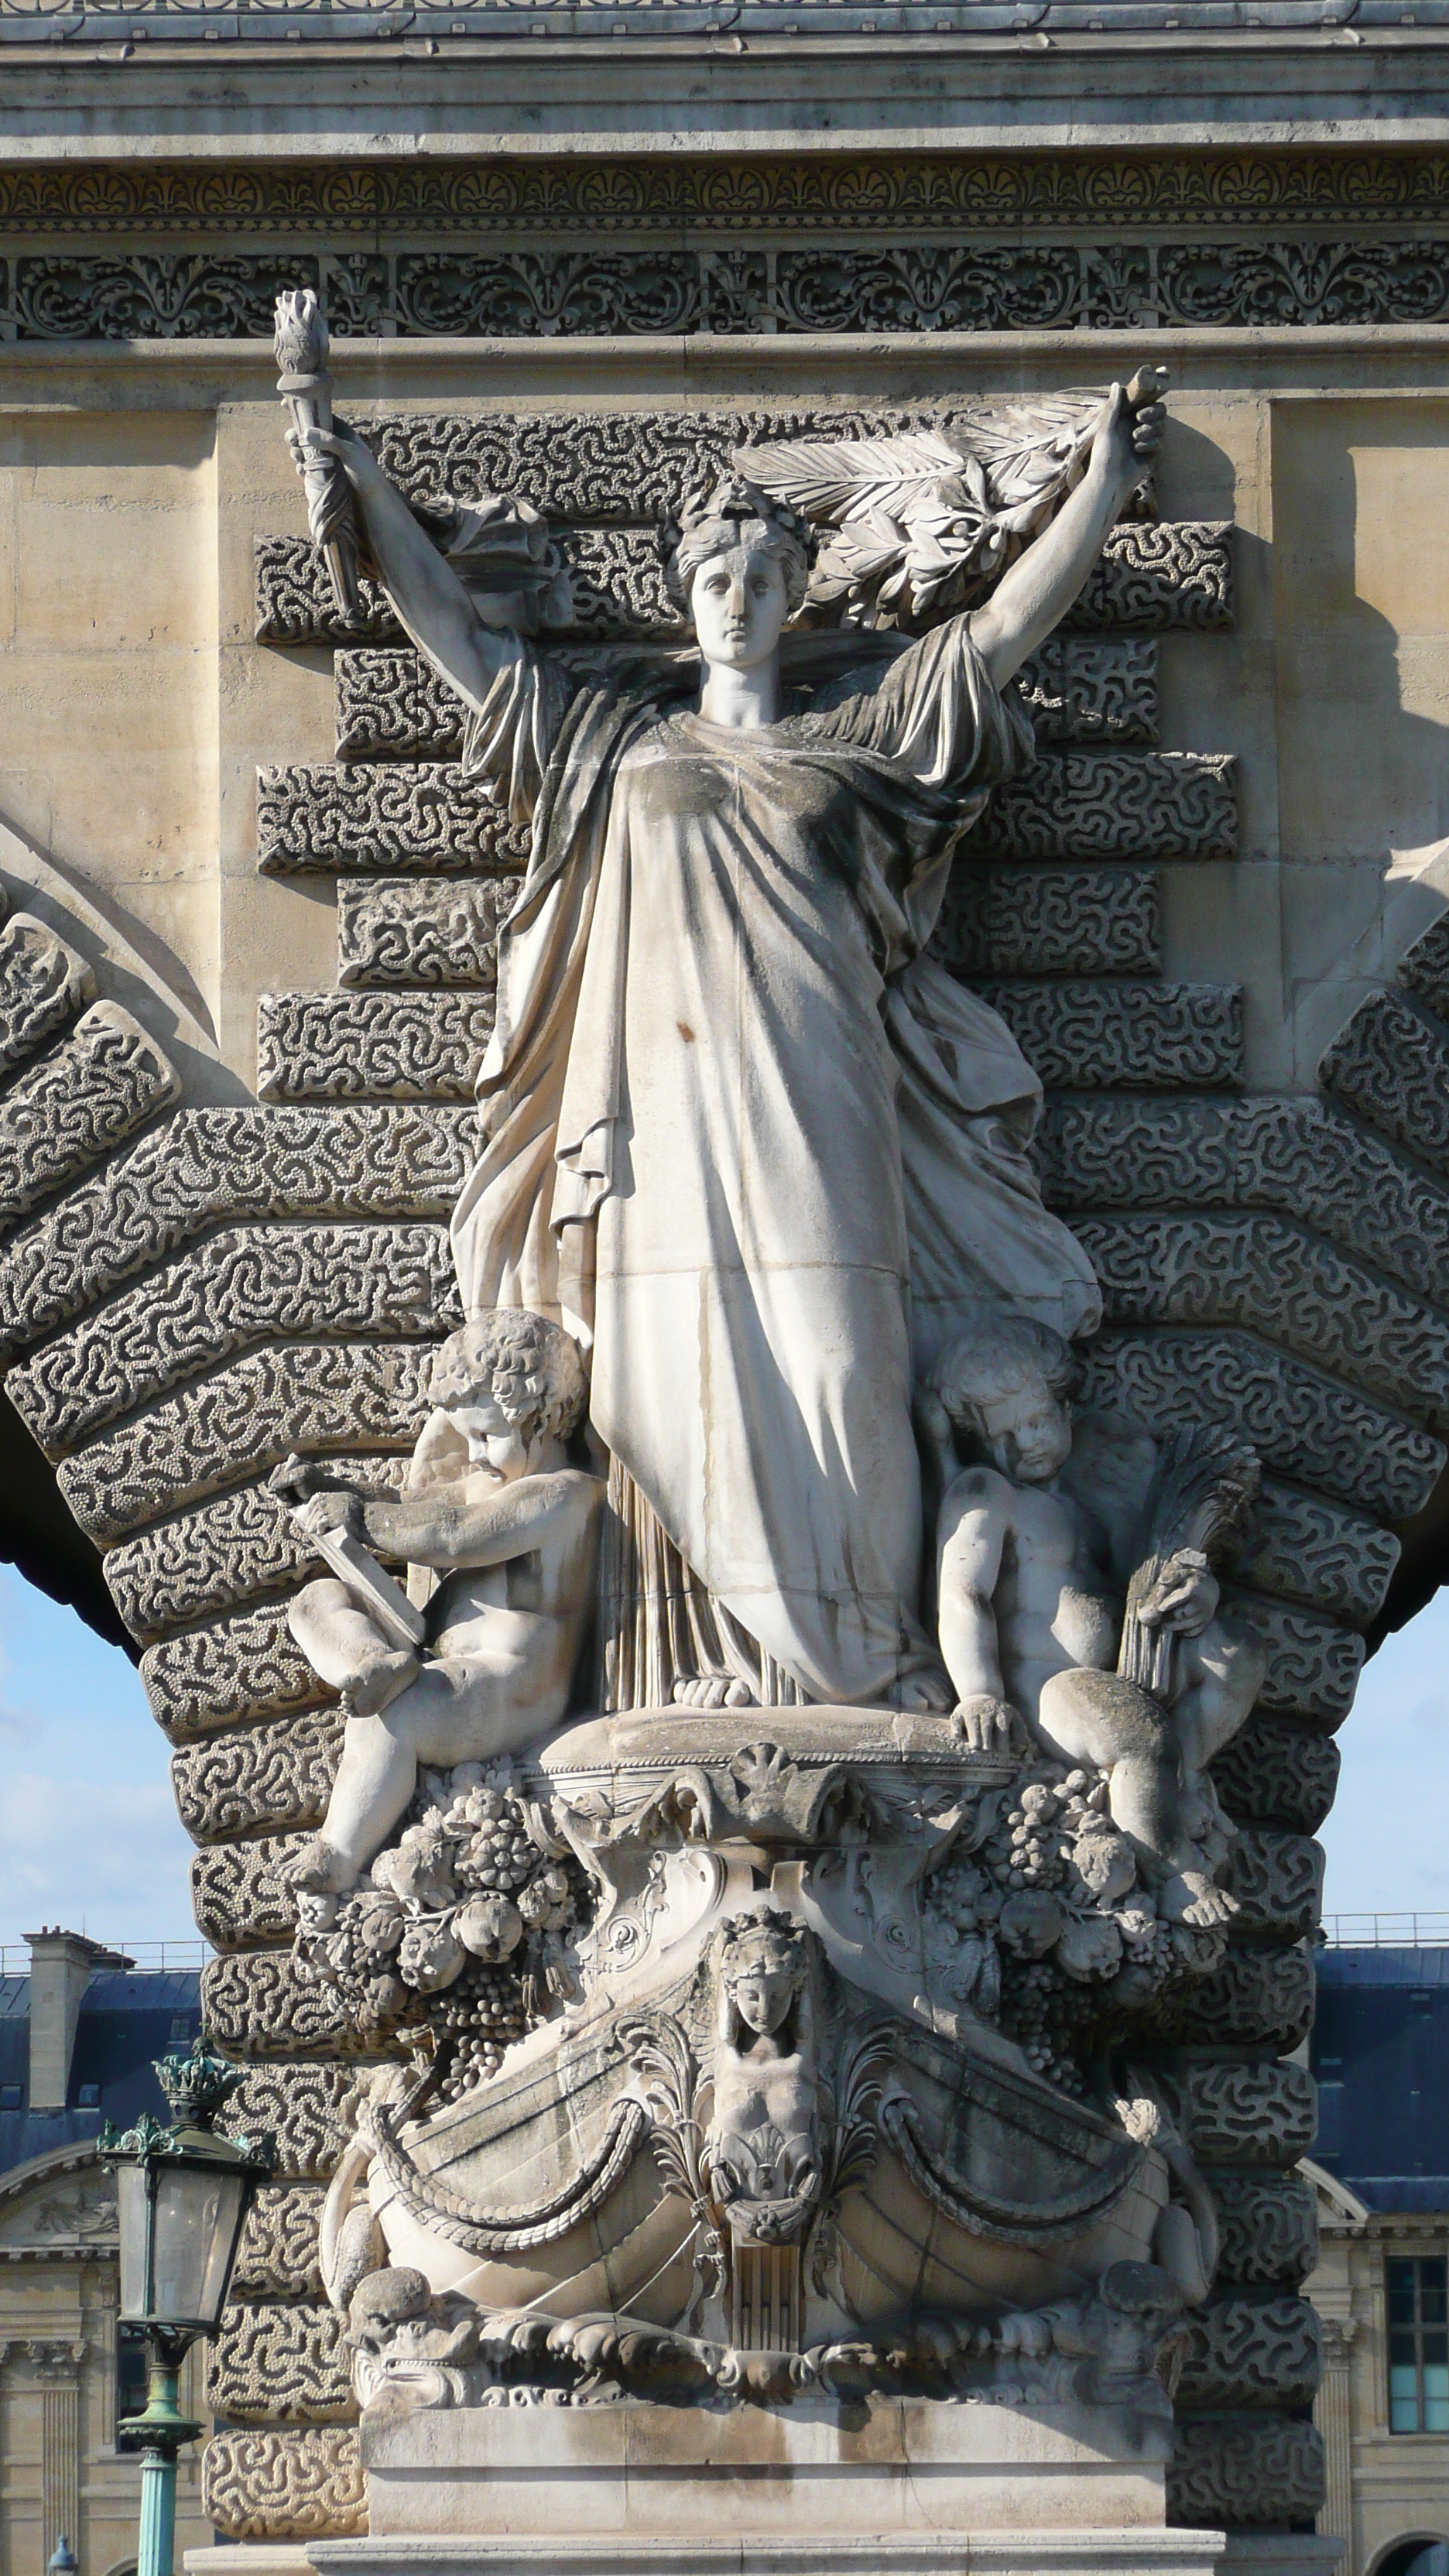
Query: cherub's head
point(1005, 1383)
point(762, 1969)
point(513, 1385)
point(739, 563)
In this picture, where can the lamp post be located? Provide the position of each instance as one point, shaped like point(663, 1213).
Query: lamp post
point(183, 2194)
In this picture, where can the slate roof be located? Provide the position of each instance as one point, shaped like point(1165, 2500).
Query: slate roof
point(1380, 2052)
point(126, 2020)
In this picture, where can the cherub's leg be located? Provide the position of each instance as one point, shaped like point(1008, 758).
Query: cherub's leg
point(345, 1649)
point(457, 1710)
point(1222, 1676)
point(1100, 1718)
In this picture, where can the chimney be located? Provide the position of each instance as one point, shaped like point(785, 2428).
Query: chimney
point(61, 1967)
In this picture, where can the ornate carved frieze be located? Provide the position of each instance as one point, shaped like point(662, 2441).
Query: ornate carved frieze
point(1314, 1551)
point(277, 2257)
point(293, 2485)
point(1313, 1665)
point(311, 2111)
point(1007, 920)
point(1248, 2114)
point(1125, 1036)
point(210, 1677)
point(1245, 2351)
point(210, 1167)
point(257, 1778)
point(1305, 1425)
point(104, 1079)
point(404, 931)
point(1114, 805)
point(418, 816)
point(1277, 1879)
point(1256, 1998)
point(1390, 1065)
point(217, 1557)
point(320, 1397)
point(241, 1895)
point(43, 983)
point(380, 1046)
point(1245, 2469)
point(256, 2005)
point(1281, 1281)
point(1274, 1773)
point(1269, 2228)
point(244, 1285)
point(277, 2363)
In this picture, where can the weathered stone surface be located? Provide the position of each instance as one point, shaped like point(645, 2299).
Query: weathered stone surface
point(1303, 1424)
point(309, 2110)
point(1159, 574)
point(256, 2005)
point(104, 1079)
point(209, 1167)
point(246, 1285)
point(1423, 970)
point(1279, 1281)
point(1274, 1773)
point(1115, 805)
point(1277, 1879)
point(1313, 1551)
point(1391, 1066)
point(319, 1397)
point(223, 1554)
point(403, 931)
point(253, 1778)
point(1294, 1157)
point(241, 1895)
point(209, 1677)
point(279, 2363)
point(285, 2485)
point(1010, 920)
point(415, 817)
point(1238, 2470)
point(1248, 2114)
point(1251, 2352)
point(43, 983)
point(1313, 1664)
point(1258, 1998)
point(379, 1046)
point(1076, 690)
point(1125, 1036)
point(1269, 2228)
point(277, 2257)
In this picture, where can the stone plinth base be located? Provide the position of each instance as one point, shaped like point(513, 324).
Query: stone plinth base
point(661, 2474)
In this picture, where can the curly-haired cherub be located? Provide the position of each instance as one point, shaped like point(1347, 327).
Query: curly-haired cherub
point(510, 1529)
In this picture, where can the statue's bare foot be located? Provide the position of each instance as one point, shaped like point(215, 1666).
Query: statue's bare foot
point(713, 1690)
point(1191, 1898)
point(376, 1684)
point(322, 1869)
point(925, 1694)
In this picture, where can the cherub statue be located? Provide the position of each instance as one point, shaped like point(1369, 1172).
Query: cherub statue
point(763, 2142)
point(1076, 1592)
point(494, 1509)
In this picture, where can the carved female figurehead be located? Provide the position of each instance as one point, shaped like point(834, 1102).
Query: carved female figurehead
point(763, 1975)
point(763, 2144)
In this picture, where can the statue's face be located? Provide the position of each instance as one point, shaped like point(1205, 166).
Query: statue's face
point(739, 603)
point(494, 1443)
point(1028, 1433)
point(763, 1996)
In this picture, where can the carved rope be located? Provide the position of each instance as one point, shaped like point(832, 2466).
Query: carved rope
point(981, 2213)
point(513, 2231)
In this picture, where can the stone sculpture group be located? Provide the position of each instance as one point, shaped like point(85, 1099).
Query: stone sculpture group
point(796, 1727)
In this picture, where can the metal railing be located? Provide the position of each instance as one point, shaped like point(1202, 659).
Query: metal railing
point(1386, 1931)
point(151, 1958)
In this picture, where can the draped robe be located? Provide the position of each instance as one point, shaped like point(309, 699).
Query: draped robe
point(740, 1134)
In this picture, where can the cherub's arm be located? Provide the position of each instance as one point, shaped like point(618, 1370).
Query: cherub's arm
point(971, 1538)
point(432, 1528)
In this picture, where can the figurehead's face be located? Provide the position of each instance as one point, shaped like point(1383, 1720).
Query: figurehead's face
point(1027, 1433)
point(762, 1995)
point(739, 601)
point(495, 1445)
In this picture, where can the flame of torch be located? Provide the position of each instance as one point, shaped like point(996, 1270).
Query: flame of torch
point(300, 348)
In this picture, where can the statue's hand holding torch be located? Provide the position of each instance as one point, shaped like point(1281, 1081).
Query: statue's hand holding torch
point(301, 350)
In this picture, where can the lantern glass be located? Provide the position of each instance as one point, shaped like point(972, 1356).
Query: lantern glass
point(180, 2219)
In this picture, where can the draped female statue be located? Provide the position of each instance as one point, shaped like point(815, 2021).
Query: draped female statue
point(739, 1133)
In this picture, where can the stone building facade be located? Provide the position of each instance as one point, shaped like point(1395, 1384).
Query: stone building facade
point(578, 256)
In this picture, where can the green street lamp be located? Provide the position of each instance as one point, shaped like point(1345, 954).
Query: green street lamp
point(183, 2194)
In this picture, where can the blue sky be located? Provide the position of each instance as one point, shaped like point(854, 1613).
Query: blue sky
point(89, 1836)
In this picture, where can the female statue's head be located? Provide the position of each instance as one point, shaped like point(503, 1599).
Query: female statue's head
point(738, 563)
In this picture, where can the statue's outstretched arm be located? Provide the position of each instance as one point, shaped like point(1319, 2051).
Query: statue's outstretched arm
point(1041, 585)
point(423, 587)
